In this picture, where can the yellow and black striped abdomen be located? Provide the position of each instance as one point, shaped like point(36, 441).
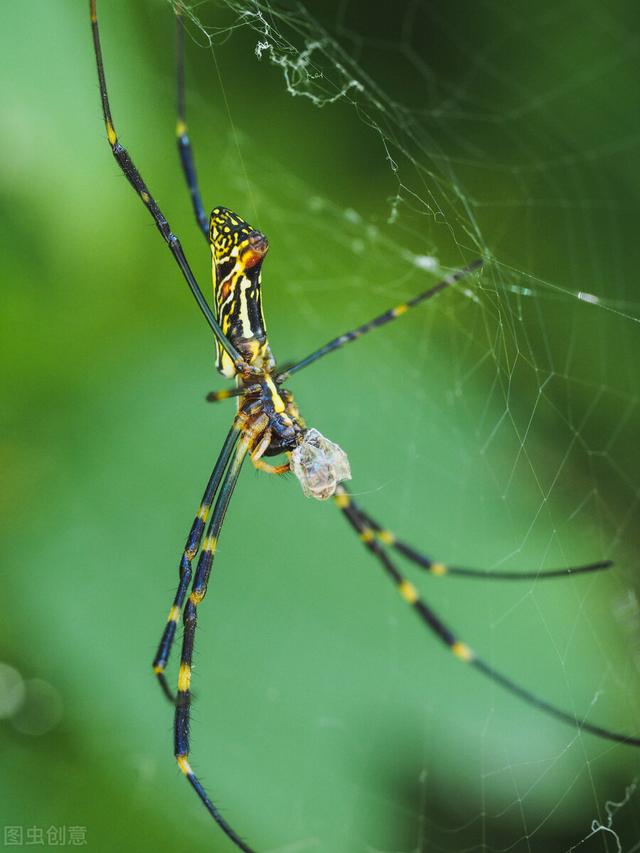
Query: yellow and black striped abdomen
point(238, 251)
point(239, 305)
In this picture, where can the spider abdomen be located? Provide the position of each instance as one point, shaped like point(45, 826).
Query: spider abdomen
point(238, 251)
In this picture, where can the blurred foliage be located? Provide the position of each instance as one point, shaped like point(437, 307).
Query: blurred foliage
point(498, 430)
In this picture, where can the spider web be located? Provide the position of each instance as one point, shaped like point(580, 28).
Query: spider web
point(506, 419)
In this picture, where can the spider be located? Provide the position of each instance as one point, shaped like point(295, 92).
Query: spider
point(268, 423)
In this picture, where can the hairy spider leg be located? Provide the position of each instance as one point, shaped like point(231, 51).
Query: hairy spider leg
point(135, 179)
point(381, 320)
point(184, 144)
point(198, 592)
point(439, 569)
point(191, 548)
point(460, 649)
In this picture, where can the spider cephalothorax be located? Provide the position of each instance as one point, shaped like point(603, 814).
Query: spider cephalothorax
point(319, 464)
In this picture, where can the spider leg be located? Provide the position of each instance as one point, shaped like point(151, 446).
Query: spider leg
point(381, 320)
point(184, 145)
point(262, 446)
point(460, 649)
point(198, 592)
point(261, 465)
point(191, 548)
point(135, 179)
point(226, 393)
point(439, 569)
point(259, 451)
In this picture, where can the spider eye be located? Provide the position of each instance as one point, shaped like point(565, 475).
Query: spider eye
point(320, 465)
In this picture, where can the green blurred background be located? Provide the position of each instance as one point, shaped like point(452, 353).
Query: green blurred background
point(497, 426)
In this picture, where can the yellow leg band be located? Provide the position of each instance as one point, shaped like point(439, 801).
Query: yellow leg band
point(111, 134)
point(210, 543)
point(462, 651)
point(386, 536)
point(342, 500)
point(408, 592)
point(184, 765)
point(184, 677)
